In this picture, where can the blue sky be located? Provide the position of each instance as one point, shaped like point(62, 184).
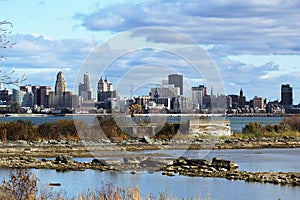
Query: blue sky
point(255, 44)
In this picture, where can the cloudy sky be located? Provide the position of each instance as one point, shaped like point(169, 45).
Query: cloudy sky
point(255, 45)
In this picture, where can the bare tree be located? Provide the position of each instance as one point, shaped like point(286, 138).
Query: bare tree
point(6, 77)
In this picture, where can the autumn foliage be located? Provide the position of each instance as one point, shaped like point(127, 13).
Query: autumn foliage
point(26, 130)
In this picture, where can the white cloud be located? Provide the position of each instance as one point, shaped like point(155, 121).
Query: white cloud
point(253, 27)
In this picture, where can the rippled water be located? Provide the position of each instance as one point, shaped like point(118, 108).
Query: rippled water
point(285, 160)
point(76, 182)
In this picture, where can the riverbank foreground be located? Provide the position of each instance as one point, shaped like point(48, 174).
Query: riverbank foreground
point(62, 147)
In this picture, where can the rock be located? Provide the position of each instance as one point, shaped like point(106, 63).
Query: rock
point(63, 159)
point(150, 162)
point(146, 139)
point(227, 164)
point(98, 161)
point(135, 160)
point(198, 162)
point(52, 142)
point(22, 142)
point(54, 184)
point(113, 162)
point(168, 173)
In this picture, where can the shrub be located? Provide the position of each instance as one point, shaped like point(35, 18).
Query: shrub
point(254, 128)
point(66, 128)
point(293, 122)
point(47, 131)
point(111, 129)
point(22, 184)
point(168, 131)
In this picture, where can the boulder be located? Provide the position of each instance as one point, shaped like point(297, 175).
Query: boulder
point(134, 160)
point(99, 162)
point(219, 163)
point(146, 139)
point(113, 162)
point(150, 162)
point(63, 159)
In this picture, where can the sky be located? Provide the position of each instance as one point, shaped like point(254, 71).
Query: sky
point(253, 45)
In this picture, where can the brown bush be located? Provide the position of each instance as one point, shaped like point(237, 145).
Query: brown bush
point(22, 184)
point(293, 122)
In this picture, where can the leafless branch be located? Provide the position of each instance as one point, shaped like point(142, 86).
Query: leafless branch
point(6, 77)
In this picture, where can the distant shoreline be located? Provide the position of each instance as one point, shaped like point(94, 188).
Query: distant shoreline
point(137, 115)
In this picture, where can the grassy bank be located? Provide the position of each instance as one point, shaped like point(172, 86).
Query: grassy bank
point(288, 127)
point(76, 130)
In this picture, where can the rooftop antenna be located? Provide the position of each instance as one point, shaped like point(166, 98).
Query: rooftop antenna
point(86, 71)
point(131, 90)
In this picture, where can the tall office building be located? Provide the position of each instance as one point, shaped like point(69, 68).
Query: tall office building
point(105, 90)
point(242, 99)
point(60, 85)
point(25, 99)
point(197, 96)
point(286, 95)
point(84, 89)
point(177, 80)
point(40, 94)
point(61, 97)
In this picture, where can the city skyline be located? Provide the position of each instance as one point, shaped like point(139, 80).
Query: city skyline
point(208, 91)
point(253, 44)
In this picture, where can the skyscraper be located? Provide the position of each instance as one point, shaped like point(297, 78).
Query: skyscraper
point(61, 97)
point(177, 80)
point(60, 85)
point(197, 96)
point(40, 94)
point(286, 95)
point(105, 90)
point(84, 89)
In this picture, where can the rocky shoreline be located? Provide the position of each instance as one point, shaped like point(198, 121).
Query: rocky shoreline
point(217, 168)
point(126, 156)
point(51, 148)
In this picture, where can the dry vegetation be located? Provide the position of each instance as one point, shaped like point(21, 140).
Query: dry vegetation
point(288, 127)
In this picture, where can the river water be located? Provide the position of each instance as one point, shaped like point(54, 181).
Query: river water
point(285, 160)
point(154, 183)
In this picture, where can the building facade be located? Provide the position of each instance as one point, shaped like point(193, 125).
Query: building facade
point(259, 102)
point(24, 99)
point(286, 95)
point(197, 96)
point(105, 93)
point(41, 94)
point(61, 98)
point(177, 80)
point(5, 95)
point(84, 89)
